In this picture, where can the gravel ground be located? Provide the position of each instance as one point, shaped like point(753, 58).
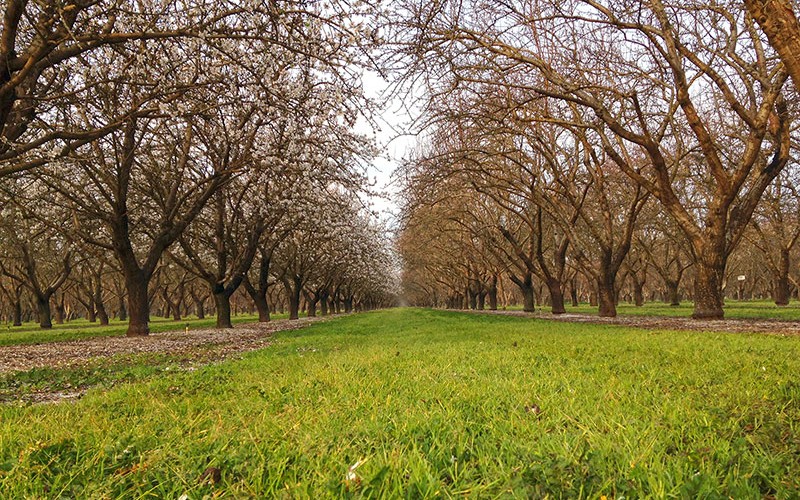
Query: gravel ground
point(667, 323)
point(213, 343)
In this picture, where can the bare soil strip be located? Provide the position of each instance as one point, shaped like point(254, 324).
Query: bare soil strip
point(210, 344)
point(776, 327)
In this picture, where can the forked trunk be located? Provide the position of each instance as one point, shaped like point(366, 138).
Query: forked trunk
point(673, 297)
point(312, 307)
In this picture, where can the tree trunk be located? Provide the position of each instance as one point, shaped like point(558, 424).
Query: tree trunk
point(311, 304)
point(222, 301)
point(293, 295)
point(138, 304)
point(606, 297)
point(493, 294)
point(673, 297)
point(43, 306)
point(91, 313)
point(708, 300)
point(473, 300)
point(123, 310)
point(526, 287)
point(348, 304)
point(262, 306)
point(481, 301)
point(199, 307)
point(638, 293)
point(556, 296)
point(60, 313)
point(102, 314)
point(781, 286)
point(573, 293)
point(17, 313)
point(323, 303)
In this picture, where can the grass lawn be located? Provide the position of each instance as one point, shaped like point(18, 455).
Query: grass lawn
point(30, 333)
point(734, 309)
point(422, 403)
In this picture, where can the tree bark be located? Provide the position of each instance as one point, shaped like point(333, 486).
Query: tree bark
point(348, 304)
point(525, 285)
point(673, 297)
point(312, 308)
point(708, 300)
point(136, 283)
point(780, 291)
point(222, 301)
point(556, 296)
point(777, 19)
point(606, 298)
point(262, 306)
point(573, 293)
point(493, 293)
point(91, 312)
point(43, 309)
point(123, 310)
point(60, 312)
point(323, 303)
point(293, 297)
point(199, 306)
point(17, 313)
point(638, 292)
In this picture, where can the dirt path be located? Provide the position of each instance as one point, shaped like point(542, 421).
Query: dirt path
point(777, 327)
point(210, 344)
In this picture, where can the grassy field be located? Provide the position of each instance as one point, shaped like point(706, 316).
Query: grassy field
point(421, 403)
point(30, 333)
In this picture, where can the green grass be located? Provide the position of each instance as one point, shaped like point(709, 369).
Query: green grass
point(30, 333)
point(755, 309)
point(434, 403)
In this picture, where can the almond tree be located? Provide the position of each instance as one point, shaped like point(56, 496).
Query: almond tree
point(56, 55)
point(690, 87)
point(776, 230)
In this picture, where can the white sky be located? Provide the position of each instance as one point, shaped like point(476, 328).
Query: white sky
point(392, 138)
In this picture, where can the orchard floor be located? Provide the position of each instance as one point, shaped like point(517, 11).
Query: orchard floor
point(736, 325)
point(56, 370)
point(421, 403)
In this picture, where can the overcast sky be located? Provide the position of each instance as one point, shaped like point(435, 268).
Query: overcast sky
point(394, 142)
